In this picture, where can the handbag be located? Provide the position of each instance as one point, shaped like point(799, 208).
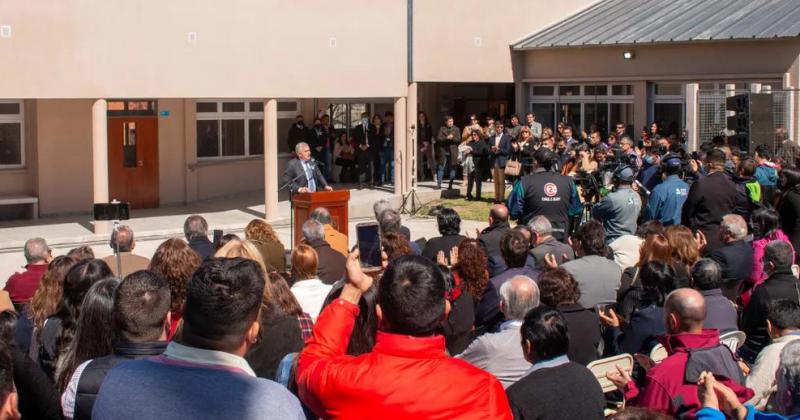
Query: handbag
point(513, 168)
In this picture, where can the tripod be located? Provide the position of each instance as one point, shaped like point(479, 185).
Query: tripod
point(411, 201)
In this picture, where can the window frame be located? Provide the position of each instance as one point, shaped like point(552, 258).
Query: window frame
point(246, 116)
point(16, 118)
point(556, 99)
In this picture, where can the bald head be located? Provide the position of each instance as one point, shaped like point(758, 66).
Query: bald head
point(498, 213)
point(685, 310)
point(518, 296)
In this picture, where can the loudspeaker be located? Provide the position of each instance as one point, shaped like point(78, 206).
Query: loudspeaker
point(753, 120)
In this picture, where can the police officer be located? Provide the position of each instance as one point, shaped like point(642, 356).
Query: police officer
point(548, 193)
point(667, 199)
point(620, 208)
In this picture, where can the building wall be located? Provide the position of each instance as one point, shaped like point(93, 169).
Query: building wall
point(171, 152)
point(445, 33)
point(700, 61)
point(248, 48)
point(64, 155)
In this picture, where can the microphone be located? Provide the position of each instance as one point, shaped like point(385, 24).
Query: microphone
point(315, 163)
point(642, 187)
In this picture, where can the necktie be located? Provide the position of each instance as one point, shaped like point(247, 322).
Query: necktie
point(312, 185)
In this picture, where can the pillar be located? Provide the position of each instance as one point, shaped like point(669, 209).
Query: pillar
point(692, 111)
point(100, 160)
point(271, 159)
point(411, 145)
point(400, 147)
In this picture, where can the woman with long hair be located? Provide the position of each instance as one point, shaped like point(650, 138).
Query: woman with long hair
point(471, 275)
point(59, 329)
point(457, 327)
point(362, 339)
point(654, 248)
point(685, 252)
point(766, 228)
point(94, 331)
point(282, 327)
point(269, 245)
point(308, 289)
point(788, 203)
point(175, 262)
point(45, 301)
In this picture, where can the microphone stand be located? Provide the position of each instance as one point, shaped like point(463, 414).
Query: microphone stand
point(289, 184)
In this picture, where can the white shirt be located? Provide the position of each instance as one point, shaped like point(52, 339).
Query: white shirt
point(626, 250)
point(311, 294)
point(497, 139)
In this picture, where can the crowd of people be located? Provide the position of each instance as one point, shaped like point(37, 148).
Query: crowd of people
point(689, 268)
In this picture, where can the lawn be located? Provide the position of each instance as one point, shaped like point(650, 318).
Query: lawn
point(468, 210)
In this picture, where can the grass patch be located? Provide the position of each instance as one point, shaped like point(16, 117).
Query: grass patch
point(467, 210)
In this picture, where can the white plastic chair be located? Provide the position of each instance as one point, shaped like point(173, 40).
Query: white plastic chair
point(733, 340)
point(600, 367)
point(658, 353)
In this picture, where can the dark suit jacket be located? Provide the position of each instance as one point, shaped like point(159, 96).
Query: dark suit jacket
point(441, 243)
point(296, 178)
point(330, 266)
point(709, 199)
point(503, 151)
point(490, 242)
point(736, 261)
point(202, 246)
point(368, 136)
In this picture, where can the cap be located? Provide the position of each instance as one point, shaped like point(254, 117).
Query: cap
point(625, 174)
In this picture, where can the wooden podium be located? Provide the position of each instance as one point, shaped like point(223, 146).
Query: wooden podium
point(335, 201)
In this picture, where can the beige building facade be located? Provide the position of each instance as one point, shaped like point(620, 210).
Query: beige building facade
point(216, 86)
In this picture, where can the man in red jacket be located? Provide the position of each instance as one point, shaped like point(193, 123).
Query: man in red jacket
point(22, 286)
point(407, 374)
point(668, 387)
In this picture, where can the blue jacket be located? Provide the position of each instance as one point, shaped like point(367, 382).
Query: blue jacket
point(752, 414)
point(666, 201)
point(766, 175)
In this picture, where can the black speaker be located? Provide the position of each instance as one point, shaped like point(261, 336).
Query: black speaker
point(753, 120)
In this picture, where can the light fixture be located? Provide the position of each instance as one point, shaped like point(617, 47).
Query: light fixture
point(628, 55)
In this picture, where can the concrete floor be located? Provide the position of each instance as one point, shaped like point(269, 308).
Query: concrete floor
point(231, 214)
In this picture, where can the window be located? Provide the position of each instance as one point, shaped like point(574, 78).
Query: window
point(667, 107)
point(12, 135)
point(584, 107)
point(235, 127)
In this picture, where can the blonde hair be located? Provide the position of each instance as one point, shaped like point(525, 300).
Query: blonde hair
point(304, 262)
point(242, 249)
point(683, 243)
point(260, 231)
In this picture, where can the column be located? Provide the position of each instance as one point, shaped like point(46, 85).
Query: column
point(411, 150)
point(100, 160)
point(400, 147)
point(271, 159)
point(692, 108)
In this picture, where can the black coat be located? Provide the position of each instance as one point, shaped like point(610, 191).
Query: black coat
point(295, 177)
point(330, 266)
point(583, 330)
point(489, 239)
point(280, 335)
point(457, 328)
point(441, 243)
point(368, 136)
point(38, 396)
point(780, 285)
point(789, 210)
point(569, 391)
point(736, 261)
point(709, 199)
point(202, 246)
point(298, 135)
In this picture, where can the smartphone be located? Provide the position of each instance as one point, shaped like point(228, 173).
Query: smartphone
point(217, 237)
point(604, 307)
point(112, 211)
point(369, 244)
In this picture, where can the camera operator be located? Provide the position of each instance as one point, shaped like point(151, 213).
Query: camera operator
point(549, 194)
point(667, 198)
point(629, 151)
point(619, 209)
point(710, 198)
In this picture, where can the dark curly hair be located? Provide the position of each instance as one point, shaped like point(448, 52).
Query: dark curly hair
point(395, 245)
point(175, 262)
point(558, 288)
point(471, 267)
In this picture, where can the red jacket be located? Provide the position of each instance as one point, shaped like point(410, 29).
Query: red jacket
point(403, 377)
point(22, 286)
point(665, 389)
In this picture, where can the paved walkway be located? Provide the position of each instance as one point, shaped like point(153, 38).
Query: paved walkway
point(231, 214)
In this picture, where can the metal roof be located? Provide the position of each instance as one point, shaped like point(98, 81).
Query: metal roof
point(626, 22)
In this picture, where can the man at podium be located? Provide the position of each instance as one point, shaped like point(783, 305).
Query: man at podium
point(302, 174)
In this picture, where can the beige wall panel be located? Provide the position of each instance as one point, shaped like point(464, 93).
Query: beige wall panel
point(243, 48)
point(64, 134)
point(219, 179)
point(171, 153)
point(445, 33)
point(654, 62)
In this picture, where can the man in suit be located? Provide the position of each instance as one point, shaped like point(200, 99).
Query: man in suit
point(735, 257)
point(122, 240)
point(368, 151)
point(489, 238)
point(302, 174)
point(330, 267)
point(500, 146)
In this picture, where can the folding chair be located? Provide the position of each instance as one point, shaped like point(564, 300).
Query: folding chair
point(733, 340)
point(599, 368)
point(658, 353)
